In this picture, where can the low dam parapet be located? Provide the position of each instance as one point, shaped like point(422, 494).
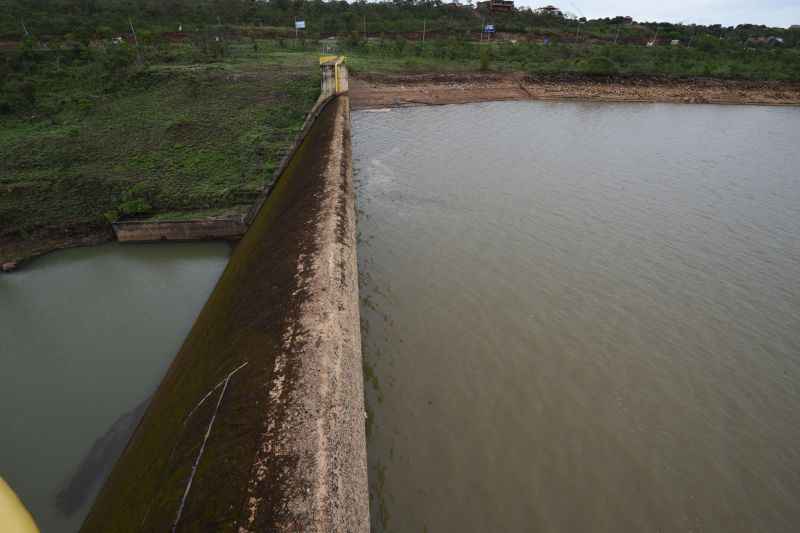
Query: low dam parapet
point(259, 423)
point(184, 230)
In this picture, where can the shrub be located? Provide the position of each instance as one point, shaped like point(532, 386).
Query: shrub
point(118, 57)
point(137, 206)
point(707, 43)
point(353, 39)
point(485, 58)
point(597, 66)
point(137, 200)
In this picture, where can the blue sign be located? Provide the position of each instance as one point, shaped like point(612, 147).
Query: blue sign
point(489, 28)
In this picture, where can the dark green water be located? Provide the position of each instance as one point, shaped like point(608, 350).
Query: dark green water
point(85, 337)
point(581, 317)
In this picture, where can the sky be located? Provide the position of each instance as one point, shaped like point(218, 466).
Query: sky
point(781, 13)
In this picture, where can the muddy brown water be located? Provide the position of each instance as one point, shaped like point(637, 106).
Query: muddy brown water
point(581, 316)
point(85, 337)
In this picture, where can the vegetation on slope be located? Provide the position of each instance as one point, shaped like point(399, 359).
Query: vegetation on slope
point(92, 135)
point(85, 19)
point(718, 61)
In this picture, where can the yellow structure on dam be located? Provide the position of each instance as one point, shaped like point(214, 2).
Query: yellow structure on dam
point(14, 517)
point(334, 75)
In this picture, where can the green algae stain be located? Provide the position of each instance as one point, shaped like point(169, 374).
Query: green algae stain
point(240, 322)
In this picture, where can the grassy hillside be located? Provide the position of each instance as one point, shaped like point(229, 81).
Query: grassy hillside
point(716, 60)
point(85, 141)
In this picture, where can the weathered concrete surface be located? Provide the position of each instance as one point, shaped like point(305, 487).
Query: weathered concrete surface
point(334, 76)
point(286, 450)
point(317, 407)
point(185, 230)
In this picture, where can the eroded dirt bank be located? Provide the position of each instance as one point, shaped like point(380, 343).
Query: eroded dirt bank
point(375, 91)
point(16, 251)
point(259, 423)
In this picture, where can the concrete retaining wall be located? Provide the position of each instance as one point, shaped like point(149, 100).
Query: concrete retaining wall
point(259, 423)
point(148, 231)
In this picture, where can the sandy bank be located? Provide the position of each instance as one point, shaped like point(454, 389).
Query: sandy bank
point(375, 91)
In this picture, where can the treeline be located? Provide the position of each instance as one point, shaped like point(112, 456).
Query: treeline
point(94, 19)
point(709, 59)
point(48, 80)
point(86, 48)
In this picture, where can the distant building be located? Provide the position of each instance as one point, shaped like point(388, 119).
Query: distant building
point(771, 40)
point(794, 27)
point(497, 6)
point(674, 42)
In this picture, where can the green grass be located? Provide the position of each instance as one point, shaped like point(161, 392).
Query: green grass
point(176, 137)
point(717, 60)
point(223, 212)
point(363, 63)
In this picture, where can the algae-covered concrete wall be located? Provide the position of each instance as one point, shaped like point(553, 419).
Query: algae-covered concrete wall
point(189, 230)
point(259, 423)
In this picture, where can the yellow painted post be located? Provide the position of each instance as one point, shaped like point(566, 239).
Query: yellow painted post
point(337, 62)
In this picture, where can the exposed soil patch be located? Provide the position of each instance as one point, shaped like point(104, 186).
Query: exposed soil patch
point(16, 251)
point(393, 90)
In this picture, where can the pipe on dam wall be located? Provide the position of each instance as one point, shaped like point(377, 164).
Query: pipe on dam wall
point(258, 424)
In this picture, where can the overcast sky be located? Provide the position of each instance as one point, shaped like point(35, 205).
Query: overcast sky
point(726, 12)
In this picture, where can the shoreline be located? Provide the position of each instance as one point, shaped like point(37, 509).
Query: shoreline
point(16, 254)
point(370, 91)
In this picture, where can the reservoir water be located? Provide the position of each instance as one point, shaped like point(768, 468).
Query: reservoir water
point(85, 337)
point(581, 316)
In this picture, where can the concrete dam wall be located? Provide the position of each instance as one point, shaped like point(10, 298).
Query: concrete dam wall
point(259, 423)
